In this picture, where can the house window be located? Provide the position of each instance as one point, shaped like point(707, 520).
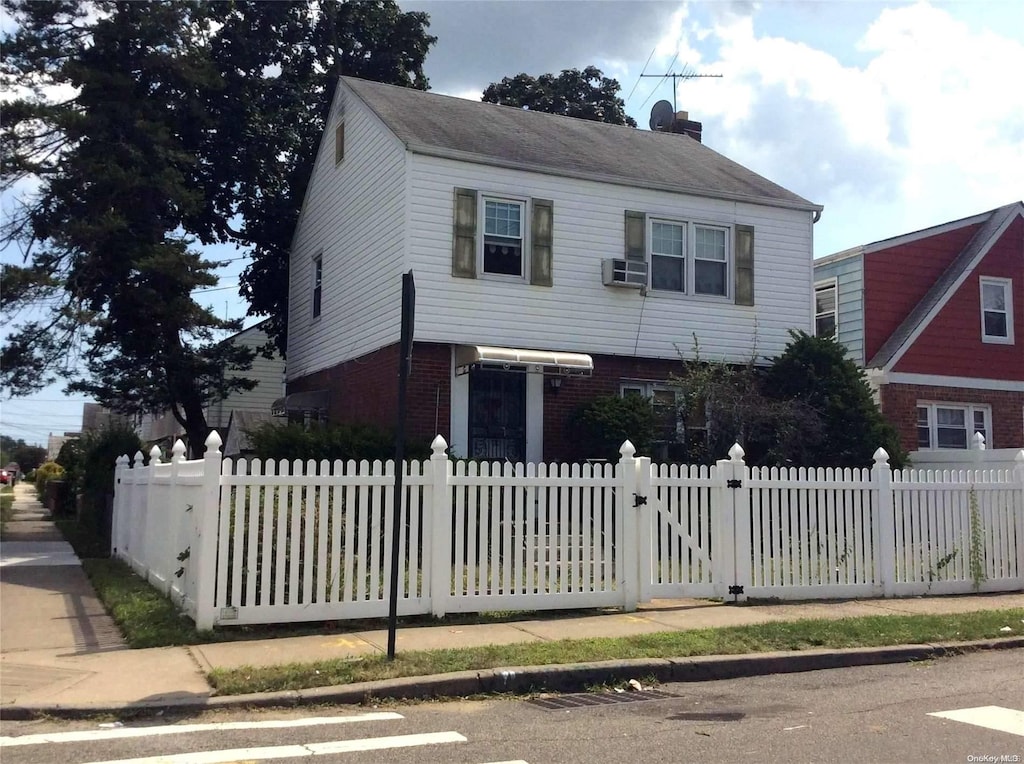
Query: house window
point(709, 261)
point(997, 310)
point(339, 143)
point(689, 258)
point(318, 279)
point(668, 256)
point(668, 424)
point(825, 309)
point(951, 425)
point(503, 237)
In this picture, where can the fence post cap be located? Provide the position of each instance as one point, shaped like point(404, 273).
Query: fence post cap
point(153, 457)
point(438, 445)
point(627, 450)
point(881, 456)
point(122, 459)
point(978, 442)
point(1019, 458)
point(177, 451)
point(213, 442)
point(736, 453)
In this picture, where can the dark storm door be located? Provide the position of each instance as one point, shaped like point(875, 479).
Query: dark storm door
point(497, 415)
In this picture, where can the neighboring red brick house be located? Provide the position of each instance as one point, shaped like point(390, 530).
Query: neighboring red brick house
point(936, 318)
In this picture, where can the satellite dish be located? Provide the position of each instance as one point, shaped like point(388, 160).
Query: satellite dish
point(662, 115)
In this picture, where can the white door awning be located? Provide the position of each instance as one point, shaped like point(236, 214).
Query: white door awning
point(516, 359)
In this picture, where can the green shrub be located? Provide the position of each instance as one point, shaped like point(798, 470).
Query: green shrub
point(344, 441)
point(600, 426)
point(44, 474)
point(90, 463)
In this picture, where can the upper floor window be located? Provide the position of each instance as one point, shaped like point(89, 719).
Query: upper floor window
point(503, 237)
point(951, 425)
point(339, 143)
point(318, 281)
point(825, 309)
point(677, 265)
point(996, 310)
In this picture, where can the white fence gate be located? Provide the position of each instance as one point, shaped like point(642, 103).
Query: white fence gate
point(237, 542)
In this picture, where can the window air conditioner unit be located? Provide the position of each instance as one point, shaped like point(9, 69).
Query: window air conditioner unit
point(624, 273)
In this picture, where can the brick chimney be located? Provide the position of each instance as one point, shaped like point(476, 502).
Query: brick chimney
point(682, 123)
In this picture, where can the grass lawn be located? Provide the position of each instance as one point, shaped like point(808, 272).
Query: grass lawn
point(148, 619)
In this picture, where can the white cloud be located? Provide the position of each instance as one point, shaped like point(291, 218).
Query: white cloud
point(925, 129)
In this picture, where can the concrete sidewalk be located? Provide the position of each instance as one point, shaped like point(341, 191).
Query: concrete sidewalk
point(60, 653)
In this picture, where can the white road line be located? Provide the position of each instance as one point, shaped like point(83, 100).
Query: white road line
point(83, 736)
point(990, 717)
point(297, 751)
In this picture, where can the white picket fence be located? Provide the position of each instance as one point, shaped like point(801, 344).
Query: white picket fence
point(244, 542)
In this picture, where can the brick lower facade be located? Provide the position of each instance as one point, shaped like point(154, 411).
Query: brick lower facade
point(365, 390)
point(899, 405)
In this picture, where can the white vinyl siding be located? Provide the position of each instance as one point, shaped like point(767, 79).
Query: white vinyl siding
point(848, 273)
point(267, 372)
point(353, 217)
point(578, 313)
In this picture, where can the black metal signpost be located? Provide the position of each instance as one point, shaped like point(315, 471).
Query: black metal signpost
point(404, 369)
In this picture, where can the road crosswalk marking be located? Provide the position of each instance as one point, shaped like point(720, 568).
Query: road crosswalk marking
point(990, 717)
point(84, 736)
point(298, 751)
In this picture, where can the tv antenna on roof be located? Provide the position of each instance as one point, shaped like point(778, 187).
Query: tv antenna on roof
point(686, 74)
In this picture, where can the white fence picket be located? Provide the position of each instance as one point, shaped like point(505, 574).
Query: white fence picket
point(291, 541)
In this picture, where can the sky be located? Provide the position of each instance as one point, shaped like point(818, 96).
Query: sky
point(893, 116)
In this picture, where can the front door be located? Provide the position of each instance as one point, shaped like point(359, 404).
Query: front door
point(497, 415)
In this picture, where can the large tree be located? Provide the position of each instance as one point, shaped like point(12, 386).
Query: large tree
point(586, 94)
point(147, 129)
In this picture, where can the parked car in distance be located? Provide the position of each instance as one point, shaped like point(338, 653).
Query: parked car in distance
point(4, 477)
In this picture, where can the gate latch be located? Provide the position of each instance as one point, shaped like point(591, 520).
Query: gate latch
point(734, 483)
point(638, 500)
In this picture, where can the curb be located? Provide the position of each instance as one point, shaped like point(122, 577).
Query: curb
point(527, 679)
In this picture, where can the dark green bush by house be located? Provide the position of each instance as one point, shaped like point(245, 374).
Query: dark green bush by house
point(341, 441)
point(599, 427)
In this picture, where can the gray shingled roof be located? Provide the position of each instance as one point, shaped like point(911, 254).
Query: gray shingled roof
point(980, 242)
point(428, 123)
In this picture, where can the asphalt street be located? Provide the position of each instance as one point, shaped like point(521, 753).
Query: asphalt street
point(865, 714)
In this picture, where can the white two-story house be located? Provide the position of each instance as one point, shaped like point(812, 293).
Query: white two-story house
point(555, 260)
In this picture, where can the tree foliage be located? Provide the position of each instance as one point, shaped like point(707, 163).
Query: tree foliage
point(18, 451)
point(815, 370)
point(147, 129)
point(811, 407)
point(600, 426)
point(586, 94)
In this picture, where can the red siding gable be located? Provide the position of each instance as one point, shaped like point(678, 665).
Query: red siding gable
point(896, 278)
point(951, 343)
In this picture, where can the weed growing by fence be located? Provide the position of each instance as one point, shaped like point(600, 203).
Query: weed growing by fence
point(977, 552)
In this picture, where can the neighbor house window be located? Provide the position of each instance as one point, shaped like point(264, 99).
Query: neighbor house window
point(318, 280)
point(951, 425)
point(825, 309)
point(503, 237)
point(997, 310)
